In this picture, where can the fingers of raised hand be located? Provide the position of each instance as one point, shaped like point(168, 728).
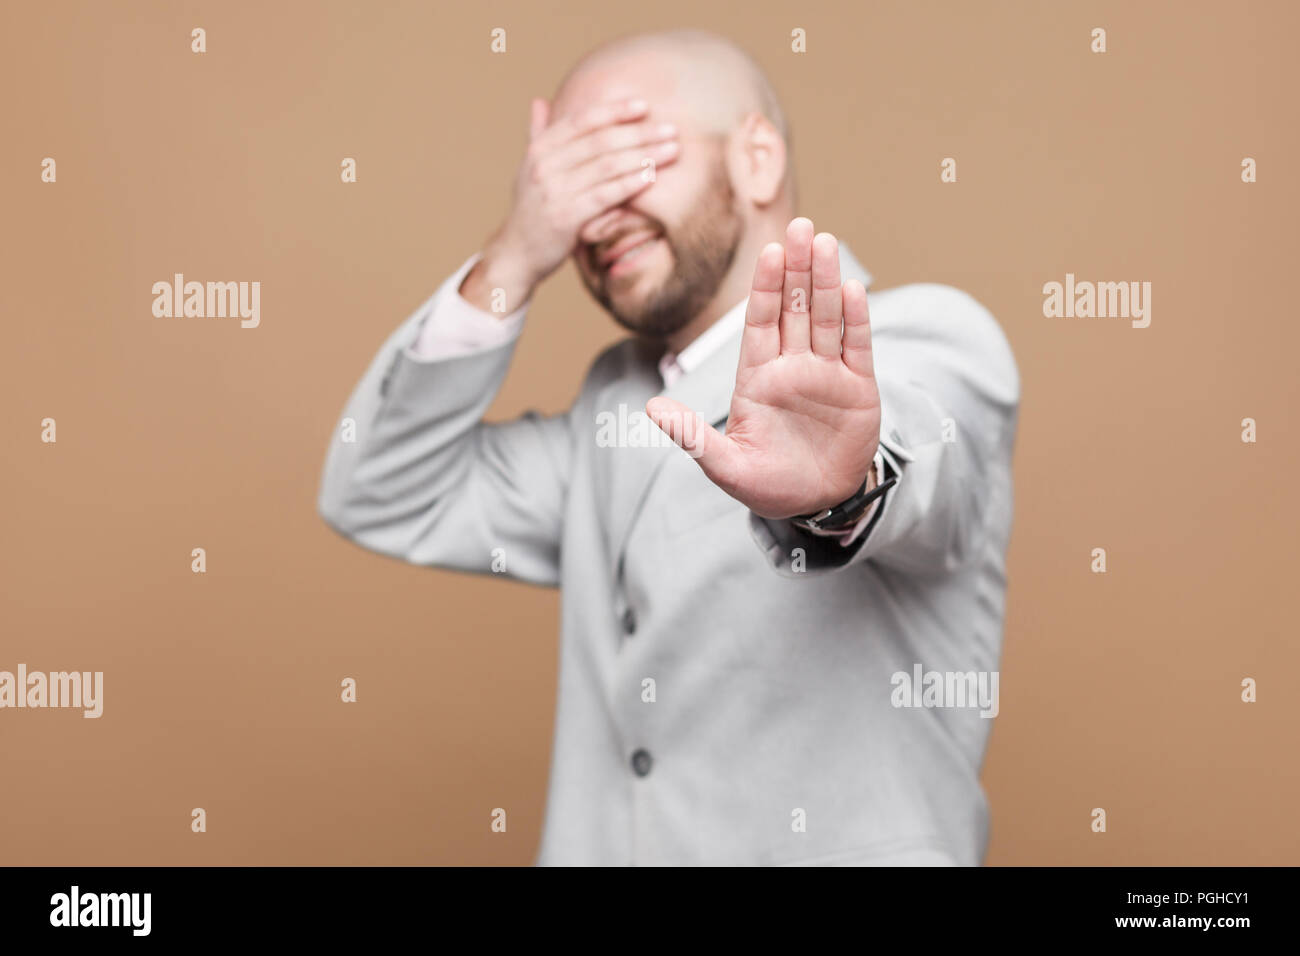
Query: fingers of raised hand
point(762, 338)
point(796, 296)
point(827, 300)
point(798, 304)
point(857, 330)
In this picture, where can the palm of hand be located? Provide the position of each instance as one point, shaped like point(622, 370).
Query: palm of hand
point(806, 428)
point(805, 414)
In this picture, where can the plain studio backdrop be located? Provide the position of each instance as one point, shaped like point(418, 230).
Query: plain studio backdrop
point(1119, 690)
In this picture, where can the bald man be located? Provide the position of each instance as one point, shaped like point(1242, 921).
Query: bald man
point(782, 602)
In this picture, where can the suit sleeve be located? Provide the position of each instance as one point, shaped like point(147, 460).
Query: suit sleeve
point(414, 473)
point(949, 392)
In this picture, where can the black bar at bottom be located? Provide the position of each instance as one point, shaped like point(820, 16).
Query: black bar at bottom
point(327, 904)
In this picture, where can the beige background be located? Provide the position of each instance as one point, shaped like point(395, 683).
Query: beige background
point(222, 690)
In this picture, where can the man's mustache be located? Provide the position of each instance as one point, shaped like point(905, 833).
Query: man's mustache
point(598, 253)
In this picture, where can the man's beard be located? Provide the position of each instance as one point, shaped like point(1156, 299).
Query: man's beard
point(702, 249)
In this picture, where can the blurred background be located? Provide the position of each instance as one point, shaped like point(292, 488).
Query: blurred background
point(1119, 690)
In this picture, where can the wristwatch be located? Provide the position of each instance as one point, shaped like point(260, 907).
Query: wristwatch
point(848, 512)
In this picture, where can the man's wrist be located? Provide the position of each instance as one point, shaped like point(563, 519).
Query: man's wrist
point(499, 283)
point(847, 514)
point(848, 520)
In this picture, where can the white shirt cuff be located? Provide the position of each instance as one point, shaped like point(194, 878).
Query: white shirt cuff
point(453, 327)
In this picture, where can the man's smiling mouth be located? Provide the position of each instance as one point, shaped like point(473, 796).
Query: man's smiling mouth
point(620, 256)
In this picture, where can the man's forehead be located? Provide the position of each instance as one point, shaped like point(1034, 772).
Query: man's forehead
point(610, 82)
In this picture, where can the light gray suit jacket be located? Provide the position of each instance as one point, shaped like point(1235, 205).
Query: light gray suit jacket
point(774, 735)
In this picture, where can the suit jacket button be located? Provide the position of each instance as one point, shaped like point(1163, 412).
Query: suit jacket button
point(629, 622)
point(641, 762)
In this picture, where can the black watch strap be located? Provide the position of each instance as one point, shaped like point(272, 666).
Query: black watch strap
point(846, 513)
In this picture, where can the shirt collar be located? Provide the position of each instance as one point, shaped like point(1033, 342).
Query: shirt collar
point(673, 366)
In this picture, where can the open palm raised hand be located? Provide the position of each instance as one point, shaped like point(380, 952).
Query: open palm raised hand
point(805, 414)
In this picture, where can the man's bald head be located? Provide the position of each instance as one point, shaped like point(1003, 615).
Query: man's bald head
point(708, 76)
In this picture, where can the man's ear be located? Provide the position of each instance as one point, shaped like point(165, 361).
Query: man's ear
point(758, 160)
